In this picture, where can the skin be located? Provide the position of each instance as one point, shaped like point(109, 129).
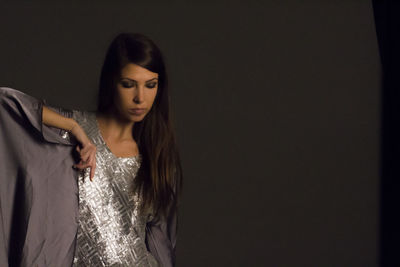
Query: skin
point(137, 88)
point(51, 118)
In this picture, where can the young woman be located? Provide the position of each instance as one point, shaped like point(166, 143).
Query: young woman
point(128, 168)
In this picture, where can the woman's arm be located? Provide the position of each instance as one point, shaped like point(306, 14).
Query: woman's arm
point(88, 150)
point(53, 119)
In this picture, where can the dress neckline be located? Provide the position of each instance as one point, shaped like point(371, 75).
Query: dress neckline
point(105, 144)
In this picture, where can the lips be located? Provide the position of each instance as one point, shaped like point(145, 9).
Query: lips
point(137, 111)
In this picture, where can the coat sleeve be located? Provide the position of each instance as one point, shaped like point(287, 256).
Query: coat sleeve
point(28, 109)
point(38, 187)
point(161, 235)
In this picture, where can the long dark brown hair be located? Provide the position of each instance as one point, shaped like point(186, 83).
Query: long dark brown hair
point(159, 178)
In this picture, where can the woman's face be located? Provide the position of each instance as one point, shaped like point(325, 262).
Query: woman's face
point(135, 92)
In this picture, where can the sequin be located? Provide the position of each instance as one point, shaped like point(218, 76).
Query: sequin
point(111, 229)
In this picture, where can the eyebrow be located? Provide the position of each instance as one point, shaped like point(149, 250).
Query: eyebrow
point(155, 78)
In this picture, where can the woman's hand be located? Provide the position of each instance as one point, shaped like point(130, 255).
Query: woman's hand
point(87, 152)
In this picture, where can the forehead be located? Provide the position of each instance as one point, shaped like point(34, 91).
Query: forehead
point(137, 73)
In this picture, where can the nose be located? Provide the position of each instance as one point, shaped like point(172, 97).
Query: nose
point(139, 96)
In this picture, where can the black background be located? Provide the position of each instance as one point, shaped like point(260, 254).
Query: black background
point(277, 107)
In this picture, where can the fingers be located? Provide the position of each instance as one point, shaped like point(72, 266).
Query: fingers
point(85, 156)
point(82, 166)
point(88, 159)
point(85, 152)
point(92, 171)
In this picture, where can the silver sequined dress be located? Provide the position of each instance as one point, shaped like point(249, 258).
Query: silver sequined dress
point(111, 229)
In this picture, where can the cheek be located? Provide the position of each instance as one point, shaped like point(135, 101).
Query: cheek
point(120, 99)
point(124, 97)
point(153, 96)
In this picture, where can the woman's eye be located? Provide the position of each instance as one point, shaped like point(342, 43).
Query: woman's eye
point(151, 85)
point(127, 84)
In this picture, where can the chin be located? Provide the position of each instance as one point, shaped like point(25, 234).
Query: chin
point(136, 118)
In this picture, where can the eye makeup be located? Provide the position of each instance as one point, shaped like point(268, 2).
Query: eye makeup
point(129, 83)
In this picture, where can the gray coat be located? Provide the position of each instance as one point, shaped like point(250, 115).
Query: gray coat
point(39, 190)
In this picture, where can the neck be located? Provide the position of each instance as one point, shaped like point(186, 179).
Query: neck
point(115, 128)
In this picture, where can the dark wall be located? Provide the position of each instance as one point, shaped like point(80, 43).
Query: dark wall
point(277, 109)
